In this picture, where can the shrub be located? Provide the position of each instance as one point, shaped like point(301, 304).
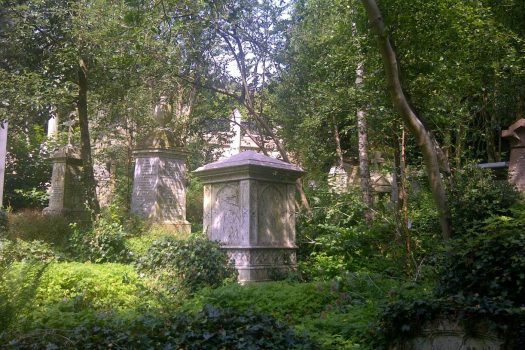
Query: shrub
point(104, 242)
point(475, 195)
point(67, 294)
point(22, 251)
point(490, 263)
point(31, 225)
point(4, 222)
point(195, 263)
point(210, 329)
point(194, 200)
point(481, 283)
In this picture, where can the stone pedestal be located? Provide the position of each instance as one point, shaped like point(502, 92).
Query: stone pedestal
point(159, 190)
point(66, 197)
point(516, 134)
point(249, 206)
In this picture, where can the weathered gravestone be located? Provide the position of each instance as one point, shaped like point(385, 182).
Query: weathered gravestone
point(66, 195)
point(159, 183)
point(249, 206)
point(516, 134)
point(443, 334)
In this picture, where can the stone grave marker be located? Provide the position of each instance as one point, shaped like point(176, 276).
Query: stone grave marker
point(516, 134)
point(66, 197)
point(159, 183)
point(249, 207)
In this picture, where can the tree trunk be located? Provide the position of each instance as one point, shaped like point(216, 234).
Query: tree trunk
point(338, 149)
point(404, 200)
point(362, 137)
point(85, 143)
point(424, 139)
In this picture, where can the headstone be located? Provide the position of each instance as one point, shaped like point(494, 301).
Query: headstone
point(159, 190)
point(443, 334)
point(66, 197)
point(516, 134)
point(159, 183)
point(249, 207)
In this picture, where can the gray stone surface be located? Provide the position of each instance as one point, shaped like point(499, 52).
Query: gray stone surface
point(159, 190)
point(66, 197)
point(445, 335)
point(249, 206)
point(516, 134)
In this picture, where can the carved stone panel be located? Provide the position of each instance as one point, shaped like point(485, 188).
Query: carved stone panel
point(56, 195)
point(272, 215)
point(145, 187)
point(159, 191)
point(226, 214)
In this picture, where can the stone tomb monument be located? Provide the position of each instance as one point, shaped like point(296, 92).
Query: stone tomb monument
point(66, 197)
point(516, 134)
point(159, 183)
point(249, 206)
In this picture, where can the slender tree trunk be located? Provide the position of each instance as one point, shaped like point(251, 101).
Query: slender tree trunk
point(362, 137)
point(338, 148)
point(424, 139)
point(85, 143)
point(404, 200)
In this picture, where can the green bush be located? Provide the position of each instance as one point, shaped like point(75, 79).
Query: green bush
point(104, 242)
point(194, 200)
point(481, 283)
point(476, 195)
point(62, 295)
point(32, 225)
point(336, 238)
point(490, 263)
point(22, 251)
point(338, 314)
point(190, 264)
point(4, 222)
point(210, 329)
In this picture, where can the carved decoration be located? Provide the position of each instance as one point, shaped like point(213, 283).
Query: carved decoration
point(272, 214)
point(226, 215)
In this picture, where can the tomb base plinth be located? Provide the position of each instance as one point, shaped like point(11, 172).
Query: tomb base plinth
point(262, 263)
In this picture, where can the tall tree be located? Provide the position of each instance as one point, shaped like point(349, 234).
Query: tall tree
point(425, 140)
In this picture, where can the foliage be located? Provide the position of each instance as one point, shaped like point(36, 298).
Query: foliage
point(63, 295)
point(4, 222)
point(481, 282)
point(104, 242)
point(338, 314)
point(209, 329)
point(475, 195)
point(27, 168)
point(403, 320)
point(194, 200)
point(194, 263)
point(336, 238)
point(31, 225)
point(27, 251)
point(490, 263)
